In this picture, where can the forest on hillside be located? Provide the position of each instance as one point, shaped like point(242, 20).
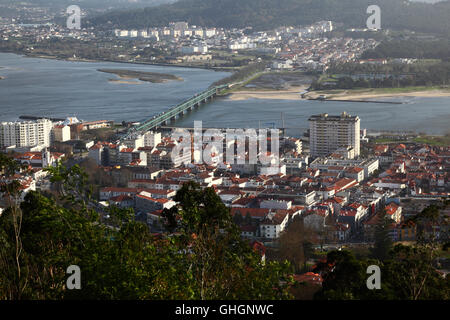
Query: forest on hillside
point(268, 14)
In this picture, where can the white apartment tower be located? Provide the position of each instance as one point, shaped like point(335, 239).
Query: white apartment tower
point(329, 133)
point(26, 133)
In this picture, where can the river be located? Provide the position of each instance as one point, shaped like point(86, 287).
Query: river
point(55, 88)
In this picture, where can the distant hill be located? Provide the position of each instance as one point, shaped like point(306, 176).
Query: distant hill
point(89, 4)
point(265, 14)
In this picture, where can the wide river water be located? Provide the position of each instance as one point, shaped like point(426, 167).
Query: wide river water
point(54, 88)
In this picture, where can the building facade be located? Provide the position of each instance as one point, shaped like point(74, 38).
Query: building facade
point(329, 133)
point(61, 133)
point(26, 133)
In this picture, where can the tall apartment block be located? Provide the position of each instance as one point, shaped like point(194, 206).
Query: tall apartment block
point(329, 133)
point(26, 133)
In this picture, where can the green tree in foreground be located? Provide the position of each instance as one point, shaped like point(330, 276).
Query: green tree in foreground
point(221, 263)
point(11, 252)
point(408, 275)
point(383, 242)
point(344, 277)
point(205, 259)
point(407, 272)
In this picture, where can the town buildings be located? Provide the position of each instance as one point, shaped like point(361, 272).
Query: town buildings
point(339, 199)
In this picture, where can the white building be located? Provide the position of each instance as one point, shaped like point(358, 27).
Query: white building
point(71, 120)
point(42, 159)
point(122, 33)
point(195, 49)
point(210, 33)
point(273, 225)
point(96, 153)
point(26, 133)
point(135, 142)
point(149, 204)
point(354, 173)
point(61, 133)
point(241, 45)
point(276, 204)
point(282, 64)
point(329, 133)
point(198, 32)
point(346, 152)
point(369, 165)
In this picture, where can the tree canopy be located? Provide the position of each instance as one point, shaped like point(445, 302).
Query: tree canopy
point(204, 259)
point(409, 274)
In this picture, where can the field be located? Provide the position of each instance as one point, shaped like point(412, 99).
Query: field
point(439, 141)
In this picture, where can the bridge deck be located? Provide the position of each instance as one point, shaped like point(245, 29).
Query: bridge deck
point(174, 111)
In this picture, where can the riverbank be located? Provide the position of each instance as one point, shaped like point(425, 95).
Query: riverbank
point(51, 57)
point(293, 93)
point(360, 94)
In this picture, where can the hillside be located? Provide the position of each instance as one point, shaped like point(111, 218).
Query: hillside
point(88, 4)
point(266, 14)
